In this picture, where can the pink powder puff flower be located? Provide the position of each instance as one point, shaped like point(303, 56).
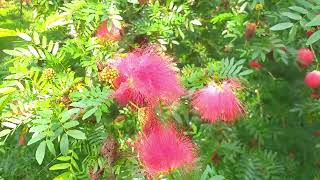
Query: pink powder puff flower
point(218, 102)
point(163, 149)
point(145, 79)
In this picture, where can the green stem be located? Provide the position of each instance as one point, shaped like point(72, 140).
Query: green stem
point(21, 14)
point(315, 56)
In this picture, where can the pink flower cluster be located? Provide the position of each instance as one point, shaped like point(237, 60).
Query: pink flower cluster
point(218, 102)
point(147, 78)
point(162, 149)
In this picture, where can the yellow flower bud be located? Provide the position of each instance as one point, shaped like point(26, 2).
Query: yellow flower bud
point(259, 6)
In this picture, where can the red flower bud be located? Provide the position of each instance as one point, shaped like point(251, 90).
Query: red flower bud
point(312, 79)
point(305, 57)
point(254, 64)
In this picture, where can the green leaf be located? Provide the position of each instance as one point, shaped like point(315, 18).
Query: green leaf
point(293, 33)
point(36, 139)
point(50, 46)
point(64, 158)
point(109, 25)
point(181, 33)
point(196, 22)
point(78, 104)
point(65, 175)
point(39, 128)
point(74, 164)
point(4, 132)
point(299, 9)
point(24, 36)
point(7, 90)
point(70, 124)
point(12, 52)
point(314, 38)
point(98, 115)
point(36, 38)
point(292, 15)
point(51, 147)
point(314, 22)
point(23, 51)
point(7, 32)
point(89, 113)
point(68, 114)
point(55, 48)
point(246, 72)
point(76, 134)
point(218, 177)
point(33, 51)
point(133, 1)
point(44, 42)
point(41, 150)
point(64, 144)
point(41, 53)
point(281, 26)
point(59, 166)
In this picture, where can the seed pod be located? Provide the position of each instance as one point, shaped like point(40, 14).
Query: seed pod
point(142, 2)
point(142, 40)
point(100, 65)
point(250, 31)
point(226, 4)
point(109, 149)
point(216, 158)
point(317, 133)
point(66, 100)
point(95, 175)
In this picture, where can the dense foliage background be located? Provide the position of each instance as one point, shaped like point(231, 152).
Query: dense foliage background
point(57, 114)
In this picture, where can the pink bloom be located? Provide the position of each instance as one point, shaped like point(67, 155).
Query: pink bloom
point(255, 64)
point(103, 33)
point(218, 103)
point(163, 149)
point(305, 57)
point(147, 78)
point(312, 79)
